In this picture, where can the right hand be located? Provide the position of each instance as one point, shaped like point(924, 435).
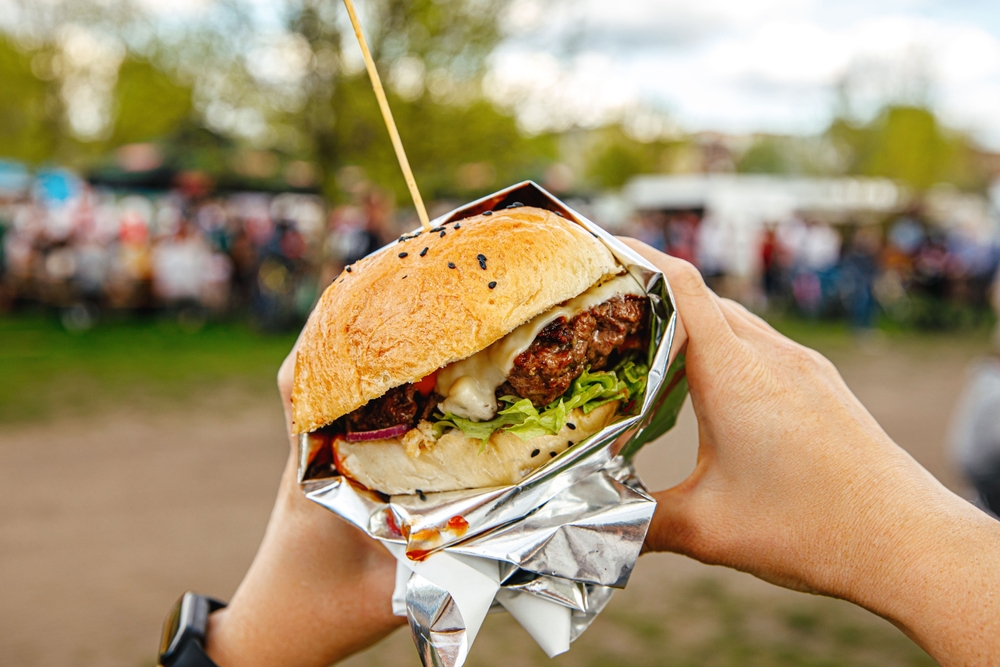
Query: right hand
point(797, 483)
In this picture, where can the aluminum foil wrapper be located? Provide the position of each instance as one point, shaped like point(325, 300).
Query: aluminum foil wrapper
point(550, 550)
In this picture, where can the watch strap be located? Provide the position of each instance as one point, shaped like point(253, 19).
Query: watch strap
point(183, 644)
point(192, 655)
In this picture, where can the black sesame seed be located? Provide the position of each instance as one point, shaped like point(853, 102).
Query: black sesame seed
point(552, 454)
point(424, 251)
point(482, 261)
point(487, 212)
point(403, 278)
point(458, 226)
point(535, 453)
point(569, 442)
point(403, 254)
point(451, 265)
point(441, 235)
point(516, 204)
point(421, 494)
point(492, 284)
point(437, 229)
point(571, 426)
point(348, 269)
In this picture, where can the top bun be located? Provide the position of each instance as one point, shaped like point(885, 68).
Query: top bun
point(394, 319)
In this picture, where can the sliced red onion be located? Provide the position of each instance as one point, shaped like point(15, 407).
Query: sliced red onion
point(380, 434)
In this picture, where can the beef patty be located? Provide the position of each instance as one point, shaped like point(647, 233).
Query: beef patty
point(564, 348)
point(400, 405)
point(541, 373)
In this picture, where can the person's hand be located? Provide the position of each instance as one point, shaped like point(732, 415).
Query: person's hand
point(797, 484)
point(317, 591)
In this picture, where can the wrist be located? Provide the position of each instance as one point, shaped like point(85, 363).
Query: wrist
point(933, 577)
point(217, 643)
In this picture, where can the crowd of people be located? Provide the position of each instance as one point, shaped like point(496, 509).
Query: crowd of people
point(906, 268)
point(88, 252)
point(84, 252)
point(913, 272)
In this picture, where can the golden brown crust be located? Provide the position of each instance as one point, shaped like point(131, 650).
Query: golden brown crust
point(394, 320)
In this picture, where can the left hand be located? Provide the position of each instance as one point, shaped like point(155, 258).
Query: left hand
point(318, 590)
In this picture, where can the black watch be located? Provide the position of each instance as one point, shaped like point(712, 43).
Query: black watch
point(183, 642)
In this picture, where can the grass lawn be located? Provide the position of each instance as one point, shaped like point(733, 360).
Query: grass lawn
point(46, 371)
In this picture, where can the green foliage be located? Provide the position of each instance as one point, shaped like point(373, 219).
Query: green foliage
point(908, 144)
point(30, 109)
point(440, 139)
point(766, 156)
point(617, 157)
point(457, 142)
point(150, 103)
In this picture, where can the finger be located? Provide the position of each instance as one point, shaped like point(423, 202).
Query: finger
point(286, 382)
point(697, 306)
point(743, 322)
point(751, 317)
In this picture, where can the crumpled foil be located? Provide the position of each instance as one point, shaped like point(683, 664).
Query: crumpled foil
point(550, 550)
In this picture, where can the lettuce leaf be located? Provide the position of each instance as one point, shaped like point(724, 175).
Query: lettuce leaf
point(625, 382)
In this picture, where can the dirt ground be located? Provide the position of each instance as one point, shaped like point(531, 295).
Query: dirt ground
point(104, 521)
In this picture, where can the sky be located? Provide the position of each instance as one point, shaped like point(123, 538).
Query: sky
point(734, 66)
point(750, 65)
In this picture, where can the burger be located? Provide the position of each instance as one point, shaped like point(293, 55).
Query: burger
point(472, 354)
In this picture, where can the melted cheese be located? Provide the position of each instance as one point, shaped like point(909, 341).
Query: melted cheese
point(469, 385)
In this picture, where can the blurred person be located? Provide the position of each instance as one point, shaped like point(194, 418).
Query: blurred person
point(857, 275)
point(770, 271)
point(682, 236)
point(712, 240)
point(278, 301)
point(93, 264)
point(818, 253)
point(130, 277)
point(650, 229)
point(181, 266)
point(975, 429)
point(19, 251)
point(243, 258)
point(931, 266)
point(995, 303)
point(353, 235)
point(844, 512)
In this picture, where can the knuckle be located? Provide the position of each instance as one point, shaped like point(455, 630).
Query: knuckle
point(684, 277)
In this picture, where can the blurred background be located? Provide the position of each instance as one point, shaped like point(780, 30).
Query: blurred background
point(180, 180)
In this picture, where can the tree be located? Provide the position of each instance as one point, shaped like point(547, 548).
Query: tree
point(30, 108)
point(443, 120)
point(149, 103)
point(908, 144)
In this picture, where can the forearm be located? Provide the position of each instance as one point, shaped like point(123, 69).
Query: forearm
point(940, 582)
point(302, 603)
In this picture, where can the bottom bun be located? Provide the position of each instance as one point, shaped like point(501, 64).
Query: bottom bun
point(454, 461)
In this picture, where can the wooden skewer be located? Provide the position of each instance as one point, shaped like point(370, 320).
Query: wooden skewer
point(390, 124)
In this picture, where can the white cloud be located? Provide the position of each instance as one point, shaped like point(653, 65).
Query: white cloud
point(756, 64)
